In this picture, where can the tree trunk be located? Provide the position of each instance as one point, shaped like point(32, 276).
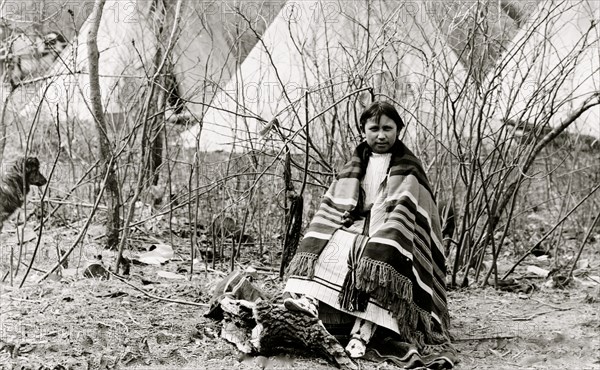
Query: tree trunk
point(293, 226)
point(112, 195)
point(3, 124)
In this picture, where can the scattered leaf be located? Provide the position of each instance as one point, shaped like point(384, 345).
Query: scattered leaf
point(96, 270)
point(169, 275)
point(113, 295)
point(69, 272)
point(148, 282)
point(28, 235)
point(54, 277)
point(157, 254)
point(182, 269)
point(538, 271)
point(558, 338)
point(583, 264)
point(95, 231)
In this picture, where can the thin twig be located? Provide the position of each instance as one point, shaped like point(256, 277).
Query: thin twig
point(587, 235)
point(85, 227)
point(550, 232)
point(41, 228)
point(178, 301)
point(485, 338)
point(532, 316)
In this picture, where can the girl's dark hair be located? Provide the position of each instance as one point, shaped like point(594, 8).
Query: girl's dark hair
point(378, 109)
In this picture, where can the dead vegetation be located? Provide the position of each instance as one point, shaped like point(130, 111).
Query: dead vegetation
point(83, 323)
point(503, 150)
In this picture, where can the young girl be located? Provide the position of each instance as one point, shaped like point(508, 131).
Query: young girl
point(373, 250)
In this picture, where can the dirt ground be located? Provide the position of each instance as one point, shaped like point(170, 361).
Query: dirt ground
point(72, 322)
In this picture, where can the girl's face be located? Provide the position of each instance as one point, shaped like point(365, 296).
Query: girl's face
point(381, 135)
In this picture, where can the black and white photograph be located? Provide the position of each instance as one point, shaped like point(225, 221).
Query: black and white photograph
point(299, 184)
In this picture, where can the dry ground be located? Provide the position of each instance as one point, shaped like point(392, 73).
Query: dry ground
point(83, 323)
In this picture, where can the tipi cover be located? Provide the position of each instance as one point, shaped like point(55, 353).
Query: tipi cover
point(554, 67)
point(210, 39)
point(322, 55)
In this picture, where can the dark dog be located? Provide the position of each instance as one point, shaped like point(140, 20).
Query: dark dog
point(15, 184)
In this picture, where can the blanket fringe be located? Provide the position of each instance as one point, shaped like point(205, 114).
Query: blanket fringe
point(351, 298)
point(303, 264)
point(383, 282)
point(435, 338)
point(394, 291)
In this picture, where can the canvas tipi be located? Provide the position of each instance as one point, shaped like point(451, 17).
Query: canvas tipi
point(209, 40)
point(315, 61)
point(554, 68)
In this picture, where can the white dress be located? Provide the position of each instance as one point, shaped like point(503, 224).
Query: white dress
point(332, 265)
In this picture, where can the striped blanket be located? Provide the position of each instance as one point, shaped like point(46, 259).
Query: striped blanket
point(402, 265)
